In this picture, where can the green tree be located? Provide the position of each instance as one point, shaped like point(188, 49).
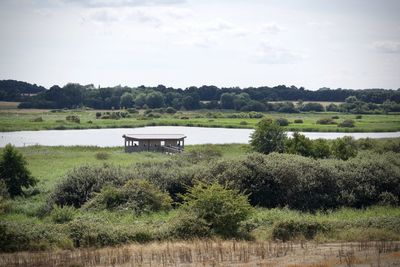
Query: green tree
point(299, 144)
point(13, 171)
point(140, 100)
point(127, 100)
point(268, 137)
point(321, 149)
point(222, 209)
point(155, 100)
point(344, 148)
point(227, 101)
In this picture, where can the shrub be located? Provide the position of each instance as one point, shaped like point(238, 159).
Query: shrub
point(132, 110)
point(268, 137)
point(347, 123)
point(326, 121)
point(200, 153)
point(298, 121)
point(80, 184)
point(288, 230)
point(243, 123)
point(344, 148)
point(102, 155)
point(62, 214)
point(358, 117)
point(73, 118)
point(90, 122)
point(186, 225)
point(299, 144)
point(335, 117)
point(137, 195)
point(13, 171)
point(170, 110)
point(282, 122)
point(98, 115)
point(38, 119)
point(222, 209)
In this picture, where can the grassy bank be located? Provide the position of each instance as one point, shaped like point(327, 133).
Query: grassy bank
point(23, 220)
point(18, 120)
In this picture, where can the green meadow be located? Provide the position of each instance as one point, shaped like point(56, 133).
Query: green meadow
point(19, 120)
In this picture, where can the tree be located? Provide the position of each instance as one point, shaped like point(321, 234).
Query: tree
point(227, 101)
point(344, 148)
point(268, 137)
point(126, 100)
point(155, 100)
point(299, 144)
point(13, 171)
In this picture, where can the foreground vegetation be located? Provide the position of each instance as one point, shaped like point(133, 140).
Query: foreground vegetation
point(17, 120)
point(84, 197)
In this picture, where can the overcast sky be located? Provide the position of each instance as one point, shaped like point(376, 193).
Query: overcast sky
point(179, 43)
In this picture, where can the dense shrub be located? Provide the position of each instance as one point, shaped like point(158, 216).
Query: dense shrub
point(335, 117)
point(102, 155)
point(344, 148)
point(298, 121)
point(243, 123)
point(187, 225)
point(282, 122)
point(170, 110)
point(326, 121)
point(73, 118)
point(347, 124)
point(90, 233)
point(37, 119)
point(136, 195)
point(62, 214)
point(80, 184)
point(288, 230)
point(358, 117)
point(18, 236)
point(222, 209)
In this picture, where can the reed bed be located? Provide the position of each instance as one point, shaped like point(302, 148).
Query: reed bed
point(215, 253)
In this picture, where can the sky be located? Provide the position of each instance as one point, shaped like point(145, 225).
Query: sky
point(181, 43)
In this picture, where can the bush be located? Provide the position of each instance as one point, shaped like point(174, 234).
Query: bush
point(298, 121)
point(335, 117)
point(62, 214)
point(222, 209)
point(358, 117)
point(102, 155)
point(38, 119)
point(288, 230)
point(347, 123)
point(136, 195)
point(344, 148)
point(186, 225)
point(243, 123)
point(98, 115)
point(326, 121)
point(170, 110)
point(81, 184)
point(73, 118)
point(282, 122)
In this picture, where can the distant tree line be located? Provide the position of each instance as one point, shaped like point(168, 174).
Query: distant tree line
point(11, 90)
point(75, 95)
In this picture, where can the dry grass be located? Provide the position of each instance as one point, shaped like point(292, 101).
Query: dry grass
point(217, 253)
point(8, 105)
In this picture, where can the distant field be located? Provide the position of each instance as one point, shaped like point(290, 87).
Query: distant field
point(27, 119)
point(324, 103)
point(8, 105)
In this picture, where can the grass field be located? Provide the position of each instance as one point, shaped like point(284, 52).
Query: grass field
point(49, 164)
point(17, 120)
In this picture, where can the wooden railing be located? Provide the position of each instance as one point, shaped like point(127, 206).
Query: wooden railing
point(172, 149)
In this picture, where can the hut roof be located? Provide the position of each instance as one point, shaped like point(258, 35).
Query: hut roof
point(154, 136)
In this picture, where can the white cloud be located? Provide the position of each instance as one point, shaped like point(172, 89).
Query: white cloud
point(272, 28)
point(270, 54)
point(387, 46)
point(122, 3)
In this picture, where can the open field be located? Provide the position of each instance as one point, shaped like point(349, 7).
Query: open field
point(18, 120)
point(218, 253)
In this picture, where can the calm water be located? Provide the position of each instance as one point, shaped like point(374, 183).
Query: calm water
point(113, 137)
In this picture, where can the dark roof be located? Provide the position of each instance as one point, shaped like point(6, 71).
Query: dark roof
point(154, 136)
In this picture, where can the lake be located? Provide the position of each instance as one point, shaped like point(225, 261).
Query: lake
point(113, 137)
